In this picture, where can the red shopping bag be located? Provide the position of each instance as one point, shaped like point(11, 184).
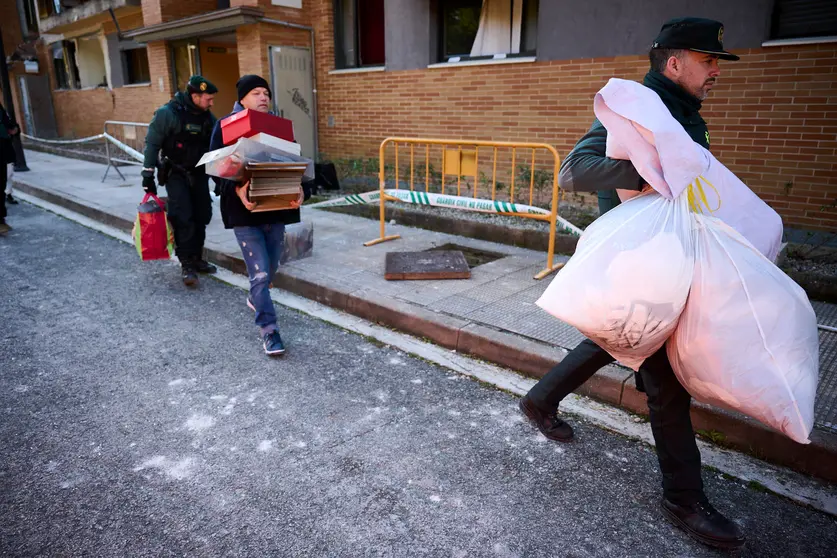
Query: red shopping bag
point(152, 233)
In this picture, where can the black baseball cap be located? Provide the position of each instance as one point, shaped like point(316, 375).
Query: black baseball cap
point(694, 33)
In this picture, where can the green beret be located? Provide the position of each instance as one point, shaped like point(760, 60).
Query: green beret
point(198, 84)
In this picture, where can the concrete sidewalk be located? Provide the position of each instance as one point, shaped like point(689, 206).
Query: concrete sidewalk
point(491, 316)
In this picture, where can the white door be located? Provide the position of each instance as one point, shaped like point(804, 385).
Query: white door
point(293, 89)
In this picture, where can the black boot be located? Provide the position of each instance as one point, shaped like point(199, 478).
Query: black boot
point(203, 266)
point(10, 199)
point(189, 272)
point(705, 524)
point(548, 423)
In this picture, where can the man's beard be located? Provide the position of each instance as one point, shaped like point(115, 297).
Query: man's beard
point(703, 92)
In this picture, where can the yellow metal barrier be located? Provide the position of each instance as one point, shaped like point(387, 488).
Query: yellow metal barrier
point(461, 159)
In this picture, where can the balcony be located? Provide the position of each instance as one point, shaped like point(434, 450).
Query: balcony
point(66, 15)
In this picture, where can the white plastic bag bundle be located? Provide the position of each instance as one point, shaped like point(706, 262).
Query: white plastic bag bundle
point(640, 128)
point(627, 283)
point(229, 162)
point(747, 339)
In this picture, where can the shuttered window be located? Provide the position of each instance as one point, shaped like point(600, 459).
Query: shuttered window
point(799, 19)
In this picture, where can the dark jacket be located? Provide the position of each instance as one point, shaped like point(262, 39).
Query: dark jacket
point(587, 169)
point(166, 123)
point(7, 151)
point(233, 212)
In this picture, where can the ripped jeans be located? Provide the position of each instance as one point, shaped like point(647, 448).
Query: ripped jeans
point(262, 247)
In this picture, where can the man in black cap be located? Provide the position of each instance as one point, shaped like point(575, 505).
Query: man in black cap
point(684, 68)
point(177, 138)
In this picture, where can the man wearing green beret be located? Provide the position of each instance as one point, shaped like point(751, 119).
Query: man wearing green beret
point(177, 138)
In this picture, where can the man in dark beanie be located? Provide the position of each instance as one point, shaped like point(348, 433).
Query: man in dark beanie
point(261, 235)
point(248, 83)
point(177, 138)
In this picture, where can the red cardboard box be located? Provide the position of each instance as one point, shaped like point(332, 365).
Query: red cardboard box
point(248, 123)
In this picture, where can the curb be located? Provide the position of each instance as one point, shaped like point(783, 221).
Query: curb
point(613, 384)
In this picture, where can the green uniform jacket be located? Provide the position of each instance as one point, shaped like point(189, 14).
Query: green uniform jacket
point(587, 169)
point(165, 123)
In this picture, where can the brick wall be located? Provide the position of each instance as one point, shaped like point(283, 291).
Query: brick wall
point(161, 11)
point(177, 9)
point(250, 59)
point(772, 117)
point(83, 113)
point(305, 16)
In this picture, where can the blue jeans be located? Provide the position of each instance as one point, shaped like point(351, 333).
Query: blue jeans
point(262, 247)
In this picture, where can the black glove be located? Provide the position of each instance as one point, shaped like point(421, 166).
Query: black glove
point(148, 183)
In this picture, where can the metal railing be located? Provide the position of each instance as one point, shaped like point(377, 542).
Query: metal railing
point(127, 138)
point(516, 179)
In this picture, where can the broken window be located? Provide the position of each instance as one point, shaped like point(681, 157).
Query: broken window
point(90, 60)
point(64, 63)
point(135, 63)
point(474, 29)
point(359, 33)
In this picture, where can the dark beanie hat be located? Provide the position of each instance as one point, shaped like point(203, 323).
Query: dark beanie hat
point(248, 83)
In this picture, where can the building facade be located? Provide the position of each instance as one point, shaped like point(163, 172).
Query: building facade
point(352, 72)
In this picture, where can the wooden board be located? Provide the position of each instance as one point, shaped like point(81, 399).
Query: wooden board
point(273, 203)
point(412, 266)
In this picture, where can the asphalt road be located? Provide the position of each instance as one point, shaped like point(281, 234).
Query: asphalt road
point(140, 419)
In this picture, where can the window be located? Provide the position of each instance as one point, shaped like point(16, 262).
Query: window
point(90, 61)
point(801, 19)
point(359, 33)
point(28, 18)
point(80, 63)
point(135, 62)
point(64, 62)
point(185, 62)
point(48, 8)
point(474, 29)
point(460, 22)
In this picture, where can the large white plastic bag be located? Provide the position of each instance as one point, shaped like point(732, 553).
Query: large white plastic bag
point(640, 128)
point(627, 283)
point(747, 339)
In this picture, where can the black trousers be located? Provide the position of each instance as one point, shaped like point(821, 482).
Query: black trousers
point(189, 210)
point(668, 406)
point(4, 177)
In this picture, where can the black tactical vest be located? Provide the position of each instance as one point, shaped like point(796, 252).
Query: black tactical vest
point(191, 142)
